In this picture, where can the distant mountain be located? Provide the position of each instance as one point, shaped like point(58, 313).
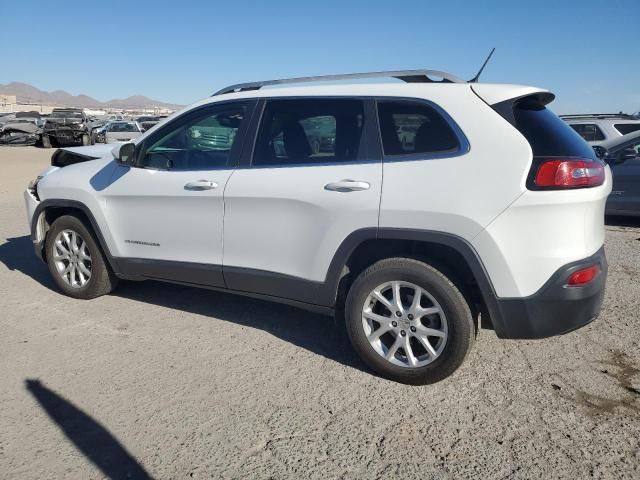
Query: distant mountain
point(26, 93)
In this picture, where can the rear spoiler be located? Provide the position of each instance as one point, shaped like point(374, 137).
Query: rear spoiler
point(503, 98)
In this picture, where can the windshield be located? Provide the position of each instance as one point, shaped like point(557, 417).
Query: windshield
point(66, 114)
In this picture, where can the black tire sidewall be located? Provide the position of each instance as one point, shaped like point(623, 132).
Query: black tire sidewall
point(459, 320)
point(100, 281)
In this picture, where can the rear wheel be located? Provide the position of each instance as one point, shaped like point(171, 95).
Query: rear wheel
point(408, 321)
point(75, 261)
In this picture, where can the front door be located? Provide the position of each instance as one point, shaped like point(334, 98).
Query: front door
point(167, 212)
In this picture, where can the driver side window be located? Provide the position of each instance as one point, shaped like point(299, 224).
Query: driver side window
point(201, 141)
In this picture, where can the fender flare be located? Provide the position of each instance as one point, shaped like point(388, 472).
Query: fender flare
point(459, 244)
point(74, 204)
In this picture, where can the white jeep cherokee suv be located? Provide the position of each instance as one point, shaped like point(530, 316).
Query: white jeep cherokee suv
point(416, 209)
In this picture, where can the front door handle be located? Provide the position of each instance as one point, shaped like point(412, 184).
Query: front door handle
point(201, 185)
point(347, 185)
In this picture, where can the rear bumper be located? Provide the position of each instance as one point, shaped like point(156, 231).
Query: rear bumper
point(556, 308)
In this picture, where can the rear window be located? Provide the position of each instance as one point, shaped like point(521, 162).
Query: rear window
point(589, 131)
point(408, 127)
point(625, 128)
point(548, 135)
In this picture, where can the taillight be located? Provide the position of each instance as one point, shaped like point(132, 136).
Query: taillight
point(567, 173)
point(584, 276)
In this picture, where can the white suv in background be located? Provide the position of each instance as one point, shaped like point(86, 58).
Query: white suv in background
point(597, 128)
point(416, 209)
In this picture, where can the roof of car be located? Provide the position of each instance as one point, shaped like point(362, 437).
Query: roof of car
point(491, 93)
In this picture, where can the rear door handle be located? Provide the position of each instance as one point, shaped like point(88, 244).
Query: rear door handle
point(201, 185)
point(347, 185)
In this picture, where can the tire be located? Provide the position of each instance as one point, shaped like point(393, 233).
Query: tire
point(101, 280)
point(449, 317)
point(85, 140)
point(46, 141)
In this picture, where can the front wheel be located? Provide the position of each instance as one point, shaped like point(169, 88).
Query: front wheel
point(408, 322)
point(75, 261)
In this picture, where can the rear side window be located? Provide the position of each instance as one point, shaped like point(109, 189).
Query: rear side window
point(589, 131)
point(548, 135)
point(408, 127)
point(310, 131)
point(625, 128)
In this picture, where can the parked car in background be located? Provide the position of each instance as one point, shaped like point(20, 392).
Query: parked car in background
point(148, 118)
point(623, 156)
point(148, 124)
point(66, 126)
point(453, 235)
point(117, 132)
point(597, 128)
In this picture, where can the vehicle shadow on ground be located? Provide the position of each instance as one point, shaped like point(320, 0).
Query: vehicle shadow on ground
point(87, 435)
point(622, 221)
point(17, 254)
point(319, 334)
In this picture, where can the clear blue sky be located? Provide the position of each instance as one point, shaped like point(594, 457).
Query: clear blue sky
point(586, 51)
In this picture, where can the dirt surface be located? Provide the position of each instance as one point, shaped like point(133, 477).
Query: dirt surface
point(174, 382)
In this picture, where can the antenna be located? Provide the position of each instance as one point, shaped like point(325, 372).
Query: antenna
point(475, 79)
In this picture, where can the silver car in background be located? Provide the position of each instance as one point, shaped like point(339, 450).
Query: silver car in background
point(117, 132)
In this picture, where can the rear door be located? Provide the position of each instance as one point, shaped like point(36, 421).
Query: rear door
point(314, 177)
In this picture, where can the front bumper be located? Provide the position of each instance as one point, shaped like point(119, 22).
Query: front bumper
point(31, 204)
point(65, 135)
point(556, 308)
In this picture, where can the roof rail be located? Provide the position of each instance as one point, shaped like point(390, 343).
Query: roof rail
point(600, 115)
point(409, 76)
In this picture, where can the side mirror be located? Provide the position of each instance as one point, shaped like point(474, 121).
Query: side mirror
point(601, 153)
point(623, 156)
point(125, 154)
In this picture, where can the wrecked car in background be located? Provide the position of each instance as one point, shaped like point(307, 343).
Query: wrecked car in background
point(66, 126)
point(22, 128)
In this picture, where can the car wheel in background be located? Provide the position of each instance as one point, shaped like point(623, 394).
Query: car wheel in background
point(46, 141)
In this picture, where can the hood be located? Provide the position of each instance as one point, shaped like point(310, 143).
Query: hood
point(24, 127)
point(68, 156)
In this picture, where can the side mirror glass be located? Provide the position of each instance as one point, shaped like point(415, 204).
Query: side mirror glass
point(125, 154)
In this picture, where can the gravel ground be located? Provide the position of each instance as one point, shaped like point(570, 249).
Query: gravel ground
point(174, 382)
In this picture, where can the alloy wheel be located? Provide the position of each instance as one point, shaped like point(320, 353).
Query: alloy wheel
point(404, 324)
point(72, 258)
